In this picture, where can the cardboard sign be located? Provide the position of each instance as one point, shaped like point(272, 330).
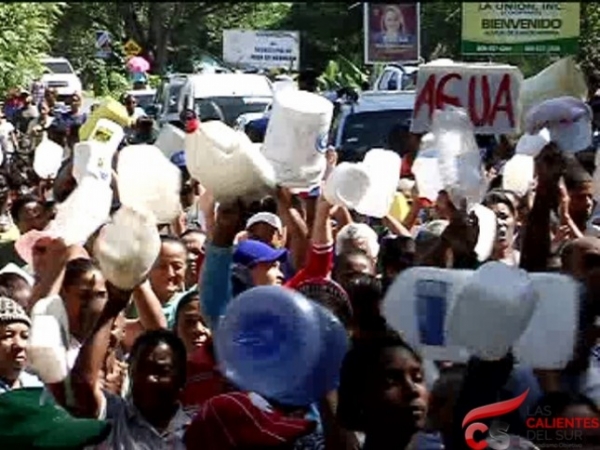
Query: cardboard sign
point(489, 92)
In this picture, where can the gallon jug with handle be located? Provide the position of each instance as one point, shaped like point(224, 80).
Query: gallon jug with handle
point(426, 169)
point(92, 158)
point(108, 133)
point(170, 140)
point(227, 163)
point(383, 167)
point(109, 109)
point(518, 174)
point(347, 185)
point(149, 181)
point(296, 138)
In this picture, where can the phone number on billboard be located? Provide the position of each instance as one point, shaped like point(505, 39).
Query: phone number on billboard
point(526, 48)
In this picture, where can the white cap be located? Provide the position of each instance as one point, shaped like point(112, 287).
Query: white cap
point(14, 269)
point(265, 217)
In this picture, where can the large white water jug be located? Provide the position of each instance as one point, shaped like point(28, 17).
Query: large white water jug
point(426, 169)
point(47, 159)
point(347, 184)
point(296, 138)
point(518, 174)
point(459, 158)
point(46, 354)
point(108, 133)
point(170, 140)
point(149, 181)
point(227, 163)
point(83, 212)
point(383, 167)
point(127, 247)
point(92, 158)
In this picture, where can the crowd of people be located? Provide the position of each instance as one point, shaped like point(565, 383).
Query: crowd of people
point(143, 370)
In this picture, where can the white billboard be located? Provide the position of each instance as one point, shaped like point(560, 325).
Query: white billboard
point(262, 49)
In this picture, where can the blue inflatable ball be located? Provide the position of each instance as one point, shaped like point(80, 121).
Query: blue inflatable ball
point(277, 343)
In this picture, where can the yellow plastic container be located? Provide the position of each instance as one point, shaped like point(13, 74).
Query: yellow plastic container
point(109, 109)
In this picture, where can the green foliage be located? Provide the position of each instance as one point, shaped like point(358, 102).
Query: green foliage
point(341, 72)
point(25, 33)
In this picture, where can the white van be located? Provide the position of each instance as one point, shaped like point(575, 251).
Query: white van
point(60, 75)
point(225, 96)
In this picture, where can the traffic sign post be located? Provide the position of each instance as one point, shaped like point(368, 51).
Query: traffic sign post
point(103, 44)
point(132, 48)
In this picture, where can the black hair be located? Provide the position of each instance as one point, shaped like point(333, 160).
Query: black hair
point(366, 294)
point(556, 403)
point(170, 239)
point(152, 339)
point(496, 197)
point(186, 299)
point(76, 268)
point(191, 231)
point(359, 366)
point(397, 252)
point(20, 202)
point(575, 175)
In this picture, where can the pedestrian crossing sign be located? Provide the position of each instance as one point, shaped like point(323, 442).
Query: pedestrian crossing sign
point(132, 48)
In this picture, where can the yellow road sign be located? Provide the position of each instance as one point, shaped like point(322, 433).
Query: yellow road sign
point(132, 48)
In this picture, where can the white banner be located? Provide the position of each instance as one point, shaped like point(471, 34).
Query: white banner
point(262, 49)
point(489, 92)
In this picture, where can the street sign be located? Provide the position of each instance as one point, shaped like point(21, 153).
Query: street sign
point(132, 48)
point(103, 44)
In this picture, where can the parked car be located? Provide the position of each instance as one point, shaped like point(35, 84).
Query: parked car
point(371, 122)
point(144, 98)
point(397, 78)
point(60, 75)
point(164, 109)
point(225, 96)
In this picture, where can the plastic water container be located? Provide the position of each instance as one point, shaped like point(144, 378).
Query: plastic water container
point(383, 167)
point(170, 140)
point(149, 182)
point(93, 159)
point(347, 184)
point(518, 174)
point(276, 342)
point(296, 138)
point(109, 109)
point(47, 159)
point(46, 357)
point(108, 133)
point(83, 212)
point(127, 247)
point(227, 163)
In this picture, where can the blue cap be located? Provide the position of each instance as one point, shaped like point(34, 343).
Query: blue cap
point(179, 159)
point(251, 252)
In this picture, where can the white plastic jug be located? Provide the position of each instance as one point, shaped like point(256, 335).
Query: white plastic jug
point(459, 159)
point(127, 247)
point(83, 212)
point(47, 158)
point(518, 174)
point(347, 184)
point(108, 133)
point(92, 159)
point(383, 167)
point(533, 144)
point(149, 181)
point(296, 138)
point(170, 140)
point(227, 163)
point(47, 358)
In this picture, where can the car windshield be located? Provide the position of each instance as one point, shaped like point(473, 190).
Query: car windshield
point(228, 109)
point(366, 130)
point(174, 90)
point(144, 100)
point(58, 67)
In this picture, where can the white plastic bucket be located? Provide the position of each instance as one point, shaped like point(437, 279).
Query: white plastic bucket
point(347, 185)
point(47, 159)
point(170, 140)
point(296, 138)
point(383, 167)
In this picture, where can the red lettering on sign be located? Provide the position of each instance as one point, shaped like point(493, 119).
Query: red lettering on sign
point(479, 119)
point(475, 93)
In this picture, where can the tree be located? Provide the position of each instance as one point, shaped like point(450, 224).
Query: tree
point(25, 35)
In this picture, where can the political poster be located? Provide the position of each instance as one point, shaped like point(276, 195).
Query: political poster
point(520, 28)
point(262, 49)
point(391, 32)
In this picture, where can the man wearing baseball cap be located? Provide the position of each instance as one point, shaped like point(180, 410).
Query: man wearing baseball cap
point(262, 262)
point(265, 227)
